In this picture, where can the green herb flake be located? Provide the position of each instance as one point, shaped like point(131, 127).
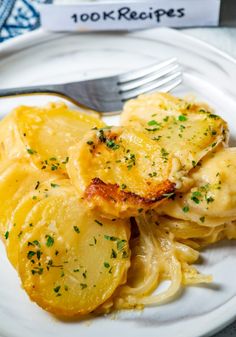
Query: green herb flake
point(213, 116)
point(195, 197)
point(106, 265)
point(31, 151)
point(185, 209)
point(83, 285)
point(153, 122)
point(54, 185)
point(202, 219)
point(110, 238)
point(76, 229)
point(120, 244)
point(110, 143)
point(65, 161)
point(90, 142)
point(123, 186)
point(98, 222)
point(182, 118)
point(57, 289)
point(37, 185)
point(209, 199)
point(6, 235)
point(50, 241)
point(30, 254)
point(113, 254)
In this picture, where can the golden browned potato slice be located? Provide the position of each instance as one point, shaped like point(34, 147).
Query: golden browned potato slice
point(16, 180)
point(120, 171)
point(211, 201)
point(72, 260)
point(187, 129)
point(44, 134)
point(18, 224)
point(136, 166)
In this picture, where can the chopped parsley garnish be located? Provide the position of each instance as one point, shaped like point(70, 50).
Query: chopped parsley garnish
point(209, 199)
point(37, 185)
point(30, 254)
point(37, 270)
point(6, 235)
point(120, 244)
point(202, 219)
point(185, 209)
point(54, 185)
point(56, 289)
point(156, 138)
point(83, 285)
point(195, 197)
point(153, 122)
point(98, 222)
point(101, 136)
point(153, 174)
point(130, 160)
point(50, 240)
point(76, 229)
point(164, 155)
point(110, 238)
point(34, 197)
point(76, 270)
point(182, 118)
point(65, 161)
point(112, 145)
point(90, 142)
point(123, 186)
point(113, 254)
point(106, 265)
point(54, 167)
point(31, 151)
point(154, 129)
point(213, 116)
point(140, 210)
point(194, 163)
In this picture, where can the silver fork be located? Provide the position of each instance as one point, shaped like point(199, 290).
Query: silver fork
point(109, 94)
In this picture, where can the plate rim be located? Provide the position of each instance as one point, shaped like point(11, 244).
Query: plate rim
point(225, 314)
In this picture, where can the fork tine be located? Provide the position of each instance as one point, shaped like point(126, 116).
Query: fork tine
point(153, 86)
point(135, 74)
point(149, 78)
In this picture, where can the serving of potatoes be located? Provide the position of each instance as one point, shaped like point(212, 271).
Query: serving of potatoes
point(69, 185)
point(69, 259)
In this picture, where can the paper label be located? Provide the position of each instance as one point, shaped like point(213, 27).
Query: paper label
point(130, 15)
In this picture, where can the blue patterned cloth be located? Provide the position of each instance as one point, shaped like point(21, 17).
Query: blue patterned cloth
point(18, 16)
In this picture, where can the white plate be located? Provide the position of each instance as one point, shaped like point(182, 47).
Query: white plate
point(210, 75)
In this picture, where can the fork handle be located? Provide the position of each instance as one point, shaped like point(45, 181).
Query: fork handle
point(42, 89)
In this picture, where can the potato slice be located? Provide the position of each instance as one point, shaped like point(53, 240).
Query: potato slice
point(188, 129)
point(44, 134)
point(18, 224)
point(120, 171)
point(130, 170)
point(211, 200)
point(72, 260)
point(16, 180)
